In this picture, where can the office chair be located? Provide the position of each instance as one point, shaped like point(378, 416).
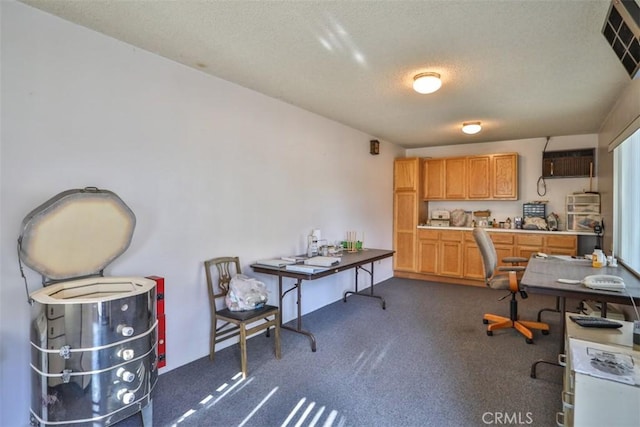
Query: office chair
point(504, 278)
point(227, 324)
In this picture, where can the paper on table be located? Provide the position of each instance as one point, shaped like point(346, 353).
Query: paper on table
point(275, 262)
point(607, 364)
point(303, 268)
point(323, 261)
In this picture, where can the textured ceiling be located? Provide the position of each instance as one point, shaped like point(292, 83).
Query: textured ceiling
point(525, 69)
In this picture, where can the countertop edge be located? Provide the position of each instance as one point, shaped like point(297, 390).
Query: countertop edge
point(511, 230)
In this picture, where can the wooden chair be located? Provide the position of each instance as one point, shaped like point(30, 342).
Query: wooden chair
point(226, 324)
point(504, 278)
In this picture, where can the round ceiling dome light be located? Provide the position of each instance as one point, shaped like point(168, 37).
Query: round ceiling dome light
point(471, 128)
point(427, 82)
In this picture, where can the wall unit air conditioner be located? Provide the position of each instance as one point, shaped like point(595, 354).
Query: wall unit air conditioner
point(568, 163)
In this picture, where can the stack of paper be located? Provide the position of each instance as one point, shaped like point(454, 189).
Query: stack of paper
point(323, 261)
point(275, 262)
point(303, 268)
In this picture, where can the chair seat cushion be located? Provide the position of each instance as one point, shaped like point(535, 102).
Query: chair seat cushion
point(249, 314)
point(499, 281)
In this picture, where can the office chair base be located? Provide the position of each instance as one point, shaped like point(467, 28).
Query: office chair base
point(523, 326)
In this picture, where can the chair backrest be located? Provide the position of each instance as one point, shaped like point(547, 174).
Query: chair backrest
point(218, 284)
point(487, 250)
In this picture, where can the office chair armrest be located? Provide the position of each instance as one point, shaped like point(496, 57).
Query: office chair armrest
point(511, 268)
point(514, 259)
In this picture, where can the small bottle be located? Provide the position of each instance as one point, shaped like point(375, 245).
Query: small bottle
point(596, 258)
point(507, 223)
point(495, 223)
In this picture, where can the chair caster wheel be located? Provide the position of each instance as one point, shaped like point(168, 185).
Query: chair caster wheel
point(490, 333)
point(545, 332)
point(529, 341)
point(485, 321)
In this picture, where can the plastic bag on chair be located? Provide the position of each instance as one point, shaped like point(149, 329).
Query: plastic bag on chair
point(246, 293)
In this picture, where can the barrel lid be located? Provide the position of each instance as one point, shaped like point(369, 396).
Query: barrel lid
point(76, 233)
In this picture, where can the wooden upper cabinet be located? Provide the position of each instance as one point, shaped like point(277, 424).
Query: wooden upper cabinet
point(483, 177)
point(406, 174)
point(455, 181)
point(434, 179)
point(478, 177)
point(505, 176)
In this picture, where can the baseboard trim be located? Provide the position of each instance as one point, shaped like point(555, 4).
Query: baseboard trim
point(437, 278)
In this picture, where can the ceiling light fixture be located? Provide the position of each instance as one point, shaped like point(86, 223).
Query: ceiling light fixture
point(426, 82)
point(471, 128)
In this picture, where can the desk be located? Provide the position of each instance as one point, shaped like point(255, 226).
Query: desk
point(541, 274)
point(587, 398)
point(349, 260)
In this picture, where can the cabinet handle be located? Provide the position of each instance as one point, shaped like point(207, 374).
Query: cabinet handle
point(560, 419)
point(562, 360)
point(567, 400)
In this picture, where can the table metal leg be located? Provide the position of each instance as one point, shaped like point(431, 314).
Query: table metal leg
point(298, 329)
point(552, 310)
point(561, 302)
point(370, 294)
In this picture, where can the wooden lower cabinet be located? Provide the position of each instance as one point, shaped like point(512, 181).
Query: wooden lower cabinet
point(473, 265)
point(530, 244)
point(454, 253)
point(428, 243)
point(440, 252)
point(451, 261)
point(473, 268)
point(561, 245)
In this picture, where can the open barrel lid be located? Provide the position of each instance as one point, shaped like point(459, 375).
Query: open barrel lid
point(76, 233)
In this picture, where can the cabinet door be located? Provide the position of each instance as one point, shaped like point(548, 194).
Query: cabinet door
point(405, 221)
point(428, 256)
point(505, 176)
point(527, 251)
point(451, 259)
point(450, 262)
point(478, 182)
point(473, 267)
point(455, 178)
point(504, 251)
point(433, 173)
point(405, 174)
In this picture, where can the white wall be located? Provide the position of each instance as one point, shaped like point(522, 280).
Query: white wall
point(529, 168)
point(208, 167)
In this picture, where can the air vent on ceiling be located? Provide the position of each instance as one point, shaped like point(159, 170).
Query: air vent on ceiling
point(622, 31)
point(568, 163)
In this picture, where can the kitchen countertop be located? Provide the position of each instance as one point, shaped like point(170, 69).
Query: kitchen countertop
point(512, 230)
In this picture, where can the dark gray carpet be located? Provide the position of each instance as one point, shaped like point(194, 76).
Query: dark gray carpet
point(424, 361)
